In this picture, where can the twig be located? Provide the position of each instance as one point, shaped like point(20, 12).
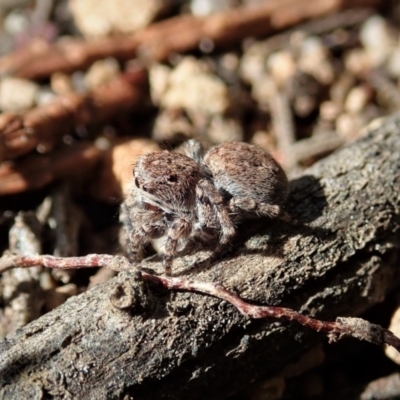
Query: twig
point(283, 124)
point(318, 27)
point(308, 150)
point(37, 171)
point(44, 126)
point(342, 327)
point(178, 34)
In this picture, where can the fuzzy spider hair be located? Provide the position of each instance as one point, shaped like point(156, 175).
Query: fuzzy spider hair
point(198, 197)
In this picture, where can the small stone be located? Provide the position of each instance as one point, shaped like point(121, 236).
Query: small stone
point(16, 22)
point(315, 60)
point(375, 36)
point(357, 99)
point(45, 96)
point(261, 91)
point(193, 87)
point(329, 111)
point(252, 64)
point(349, 126)
point(206, 7)
point(104, 17)
point(101, 72)
point(357, 61)
point(172, 126)
point(282, 66)
point(159, 78)
point(17, 94)
point(61, 83)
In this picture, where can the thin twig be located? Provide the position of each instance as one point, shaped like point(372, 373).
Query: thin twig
point(38, 170)
point(283, 124)
point(342, 327)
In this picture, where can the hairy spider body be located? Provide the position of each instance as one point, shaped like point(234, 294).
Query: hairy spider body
point(190, 196)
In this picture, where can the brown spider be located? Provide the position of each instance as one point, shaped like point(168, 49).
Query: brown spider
point(201, 198)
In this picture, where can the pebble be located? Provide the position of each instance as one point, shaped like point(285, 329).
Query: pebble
point(193, 87)
point(282, 66)
point(158, 77)
point(96, 18)
point(16, 22)
point(17, 94)
point(357, 99)
point(376, 38)
point(349, 126)
point(61, 83)
point(315, 60)
point(252, 64)
point(206, 7)
point(329, 110)
point(357, 61)
point(101, 72)
point(172, 126)
point(45, 96)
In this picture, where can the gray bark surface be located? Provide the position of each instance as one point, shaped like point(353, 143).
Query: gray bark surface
point(337, 257)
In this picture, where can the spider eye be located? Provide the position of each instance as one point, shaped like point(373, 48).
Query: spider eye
point(172, 178)
point(144, 188)
point(137, 182)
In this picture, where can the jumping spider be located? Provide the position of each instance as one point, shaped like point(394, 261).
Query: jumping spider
point(191, 197)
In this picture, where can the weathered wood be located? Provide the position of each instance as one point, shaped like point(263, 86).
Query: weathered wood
point(338, 257)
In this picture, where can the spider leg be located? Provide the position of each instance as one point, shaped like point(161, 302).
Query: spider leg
point(135, 232)
point(140, 236)
point(207, 192)
point(179, 229)
point(236, 204)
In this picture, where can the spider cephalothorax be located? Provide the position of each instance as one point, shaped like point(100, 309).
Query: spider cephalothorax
point(189, 196)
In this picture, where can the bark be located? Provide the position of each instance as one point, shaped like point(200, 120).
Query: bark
point(337, 256)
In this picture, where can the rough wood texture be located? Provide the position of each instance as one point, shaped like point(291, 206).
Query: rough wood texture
point(339, 257)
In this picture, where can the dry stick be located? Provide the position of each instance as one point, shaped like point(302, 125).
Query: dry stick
point(178, 34)
point(36, 171)
point(318, 27)
point(342, 327)
point(306, 151)
point(44, 126)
